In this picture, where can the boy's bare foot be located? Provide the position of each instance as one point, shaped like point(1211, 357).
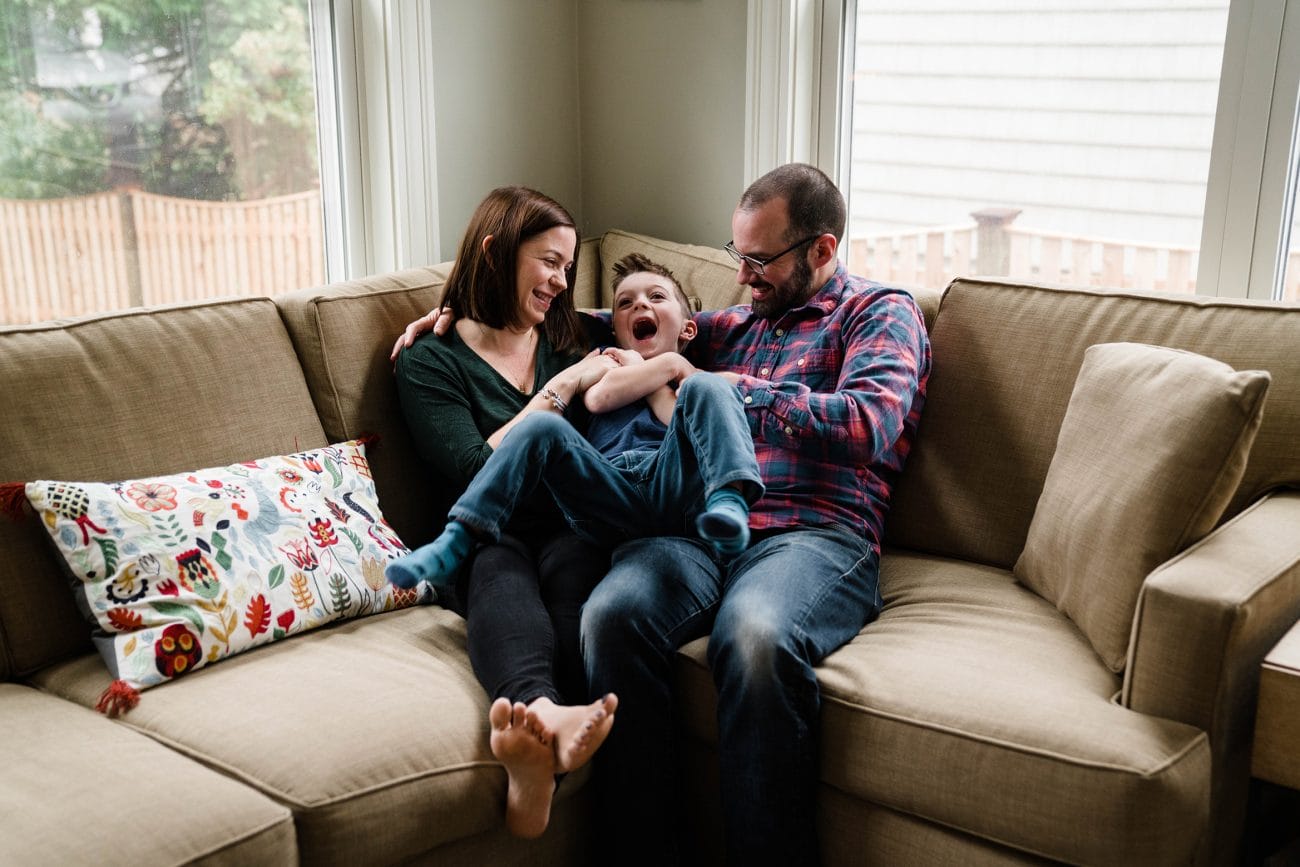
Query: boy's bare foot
point(577, 730)
point(530, 768)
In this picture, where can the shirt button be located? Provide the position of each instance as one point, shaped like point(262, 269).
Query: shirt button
point(748, 399)
point(789, 430)
point(801, 361)
point(780, 332)
point(763, 371)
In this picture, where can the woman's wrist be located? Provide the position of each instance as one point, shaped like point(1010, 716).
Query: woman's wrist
point(553, 398)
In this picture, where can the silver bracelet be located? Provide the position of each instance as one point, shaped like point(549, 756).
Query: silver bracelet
point(554, 396)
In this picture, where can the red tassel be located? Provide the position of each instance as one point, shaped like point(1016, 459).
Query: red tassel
point(13, 497)
point(119, 698)
point(370, 441)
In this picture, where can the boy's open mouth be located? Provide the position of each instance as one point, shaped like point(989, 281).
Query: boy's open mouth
point(644, 328)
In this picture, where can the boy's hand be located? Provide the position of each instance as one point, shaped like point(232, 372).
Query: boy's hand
point(624, 357)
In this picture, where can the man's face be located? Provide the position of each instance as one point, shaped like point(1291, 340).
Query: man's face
point(785, 283)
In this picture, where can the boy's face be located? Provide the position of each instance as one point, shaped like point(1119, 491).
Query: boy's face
point(648, 315)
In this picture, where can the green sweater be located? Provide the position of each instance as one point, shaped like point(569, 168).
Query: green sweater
point(453, 400)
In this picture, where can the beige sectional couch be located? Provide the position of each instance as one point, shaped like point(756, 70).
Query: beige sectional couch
point(972, 723)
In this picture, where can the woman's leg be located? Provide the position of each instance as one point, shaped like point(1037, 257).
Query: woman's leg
point(512, 648)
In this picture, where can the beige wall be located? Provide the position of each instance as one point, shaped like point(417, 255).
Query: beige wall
point(662, 86)
point(629, 112)
point(505, 104)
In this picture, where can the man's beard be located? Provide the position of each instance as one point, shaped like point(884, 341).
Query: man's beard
point(791, 293)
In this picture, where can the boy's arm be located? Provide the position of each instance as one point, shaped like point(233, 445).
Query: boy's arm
point(634, 380)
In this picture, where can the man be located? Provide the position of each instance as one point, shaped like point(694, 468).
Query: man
point(832, 370)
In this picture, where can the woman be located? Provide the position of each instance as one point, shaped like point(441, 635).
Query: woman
point(516, 350)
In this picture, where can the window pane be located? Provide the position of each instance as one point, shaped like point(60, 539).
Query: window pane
point(1040, 141)
point(152, 153)
point(1291, 267)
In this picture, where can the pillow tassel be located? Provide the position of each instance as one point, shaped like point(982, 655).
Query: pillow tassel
point(119, 698)
point(13, 496)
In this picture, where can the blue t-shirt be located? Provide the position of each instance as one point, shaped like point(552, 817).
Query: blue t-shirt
point(634, 426)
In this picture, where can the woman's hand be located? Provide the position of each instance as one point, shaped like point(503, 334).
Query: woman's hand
point(439, 319)
point(590, 370)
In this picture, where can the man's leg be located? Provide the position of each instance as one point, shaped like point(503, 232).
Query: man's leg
point(659, 594)
point(789, 600)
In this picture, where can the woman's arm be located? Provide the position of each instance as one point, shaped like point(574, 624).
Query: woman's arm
point(566, 385)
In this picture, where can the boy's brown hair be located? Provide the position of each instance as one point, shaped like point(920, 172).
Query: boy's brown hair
point(636, 263)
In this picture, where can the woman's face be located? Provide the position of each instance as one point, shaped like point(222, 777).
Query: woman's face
point(544, 264)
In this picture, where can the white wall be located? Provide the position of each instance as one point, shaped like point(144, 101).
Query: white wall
point(506, 104)
point(662, 87)
point(631, 113)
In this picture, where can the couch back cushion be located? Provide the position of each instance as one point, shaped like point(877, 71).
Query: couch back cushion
point(126, 395)
point(706, 273)
point(1005, 359)
point(343, 333)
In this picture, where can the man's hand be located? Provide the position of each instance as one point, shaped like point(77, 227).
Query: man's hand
point(439, 319)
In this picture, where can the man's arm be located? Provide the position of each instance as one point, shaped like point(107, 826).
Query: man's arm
point(858, 420)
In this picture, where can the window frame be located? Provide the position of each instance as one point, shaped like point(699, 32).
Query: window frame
point(375, 116)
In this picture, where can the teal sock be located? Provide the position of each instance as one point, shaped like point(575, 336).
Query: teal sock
point(724, 523)
point(436, 562)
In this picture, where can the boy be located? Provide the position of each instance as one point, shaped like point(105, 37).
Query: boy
point(663, 437)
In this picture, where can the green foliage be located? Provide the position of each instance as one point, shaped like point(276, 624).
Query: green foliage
point(229, 88)
point(44, 159)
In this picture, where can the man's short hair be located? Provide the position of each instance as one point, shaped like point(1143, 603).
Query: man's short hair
point(816, 205)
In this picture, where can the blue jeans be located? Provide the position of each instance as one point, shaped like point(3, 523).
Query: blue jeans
point(640, 493)
point(771, 614)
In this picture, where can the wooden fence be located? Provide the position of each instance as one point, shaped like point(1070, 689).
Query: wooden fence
point(991, 246)
point(69, 257)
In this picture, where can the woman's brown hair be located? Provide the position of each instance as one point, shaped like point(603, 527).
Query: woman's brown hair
point(482, 286)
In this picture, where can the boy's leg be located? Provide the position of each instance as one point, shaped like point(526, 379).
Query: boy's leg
point(541, 447)
point(546, 450)
point(708, 458)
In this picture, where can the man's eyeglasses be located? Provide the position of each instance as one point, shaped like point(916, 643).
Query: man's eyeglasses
point(757, 265)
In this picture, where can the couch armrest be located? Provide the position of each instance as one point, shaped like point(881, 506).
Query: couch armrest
point(1205, 621)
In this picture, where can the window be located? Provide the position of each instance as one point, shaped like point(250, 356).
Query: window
point(1063, 143)
point(1113, 142)
point(162, 152)
point(151, 156)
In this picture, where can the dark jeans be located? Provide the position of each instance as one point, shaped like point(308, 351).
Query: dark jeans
point(523, 599)
point(772, 614)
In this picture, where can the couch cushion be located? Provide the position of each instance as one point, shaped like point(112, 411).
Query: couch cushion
point(1153, 445)
point(179, 572)
point(344, 333)
point(706, 273)
point(76, 788)
point(126, 395)
point(974, 703)
point(1005, 358)
point(373, 731)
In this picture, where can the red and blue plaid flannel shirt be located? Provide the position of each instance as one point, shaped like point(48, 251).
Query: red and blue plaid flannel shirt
point(833, 390)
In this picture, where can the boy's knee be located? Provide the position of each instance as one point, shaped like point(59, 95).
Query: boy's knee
point(544, 427)
point(705, 387)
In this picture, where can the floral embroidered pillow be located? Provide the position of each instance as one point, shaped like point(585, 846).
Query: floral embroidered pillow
point(182, 571)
